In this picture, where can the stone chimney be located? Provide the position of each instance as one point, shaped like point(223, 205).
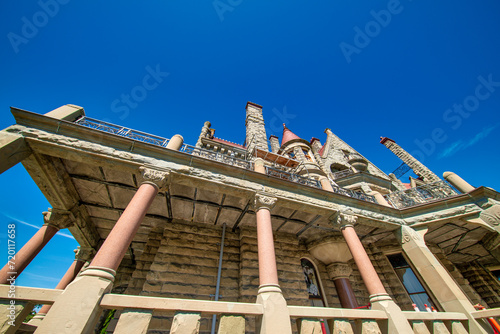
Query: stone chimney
point(256, 131)
point(275, 143)
point(417, 167)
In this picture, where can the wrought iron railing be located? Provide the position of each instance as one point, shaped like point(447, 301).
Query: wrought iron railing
point(341, 174)
point(281, 174)
point(419, 195)
point(217, 156)
point(353, 194)
point(122, 131)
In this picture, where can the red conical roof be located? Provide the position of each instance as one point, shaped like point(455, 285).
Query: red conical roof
point(287, 135)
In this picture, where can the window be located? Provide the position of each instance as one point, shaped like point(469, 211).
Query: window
point(410, 281)
point(314, 290)
point(496, 273)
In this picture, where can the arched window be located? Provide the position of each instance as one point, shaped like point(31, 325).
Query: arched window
point(312, 283)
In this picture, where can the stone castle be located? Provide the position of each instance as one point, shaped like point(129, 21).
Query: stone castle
point(276, 235)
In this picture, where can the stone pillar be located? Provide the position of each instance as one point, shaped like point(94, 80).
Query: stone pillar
point(55, 220)
point(458, 182)
point(275, 144)
point(13, 149)
point(175, 143)
point(379, 198)
point(436, 278)
point(339, 273)
point(325, 184)
point(204, 131)
point(82, 255)
point(68, 112)
point(417, 167)
point(380, 300)
point(259, 166)
point(276, 318)
point(83, 295)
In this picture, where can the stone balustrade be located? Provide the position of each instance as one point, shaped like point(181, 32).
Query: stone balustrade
point(136, 313)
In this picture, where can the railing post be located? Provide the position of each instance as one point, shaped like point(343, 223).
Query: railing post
point(133, 321)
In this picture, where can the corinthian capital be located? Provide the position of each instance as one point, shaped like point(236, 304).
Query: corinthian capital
point(154, 177)
point(339, 270)
point(58, 218)
point(343, 219)
point(264, 202)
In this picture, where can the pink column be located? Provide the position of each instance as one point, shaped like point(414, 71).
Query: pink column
point(115, 246)
point(54, 220)
point(368, 274)
point(268, 273)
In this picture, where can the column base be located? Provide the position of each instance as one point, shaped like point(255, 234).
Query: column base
point(396, 322)
point(77, 308)
point(276, 317)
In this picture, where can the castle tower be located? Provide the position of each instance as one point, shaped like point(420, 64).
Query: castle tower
point(417, 167)
point(256, 132)
point(301, 150)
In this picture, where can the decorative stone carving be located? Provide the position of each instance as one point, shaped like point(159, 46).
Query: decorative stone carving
point(154, 177)
point(408, 234)
point(58, 218)
point(344, 219)
point(264, 202)
point(339, 270)
point(84, 253)
point(491, 215)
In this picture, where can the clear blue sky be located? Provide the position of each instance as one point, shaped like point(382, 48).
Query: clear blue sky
point(365, 69)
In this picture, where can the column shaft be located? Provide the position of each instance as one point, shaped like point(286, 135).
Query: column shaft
point(345, 292)
point(365, 266)
point(268, 273)
point(28, 252)
point(115, 246)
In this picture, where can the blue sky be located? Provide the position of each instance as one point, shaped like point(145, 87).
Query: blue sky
point(421, 72)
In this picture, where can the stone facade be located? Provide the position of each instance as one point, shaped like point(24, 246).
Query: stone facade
point(285, 214)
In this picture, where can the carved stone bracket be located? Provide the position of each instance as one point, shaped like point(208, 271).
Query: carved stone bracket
point(339, 270)
point(344, 219)
point(408, 234)
point(491, 215)
point(84, 253)
point(155, 177)
point(262, 201)
point(58, 218)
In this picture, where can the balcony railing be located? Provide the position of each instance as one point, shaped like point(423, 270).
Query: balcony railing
point(280, 174)
point(122, 131)
point(217, 156)
point(353, 194)
point(419, 195)
point(137, 311)
point(341, 174)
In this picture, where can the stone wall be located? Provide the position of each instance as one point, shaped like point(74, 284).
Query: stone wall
point(484, 283)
